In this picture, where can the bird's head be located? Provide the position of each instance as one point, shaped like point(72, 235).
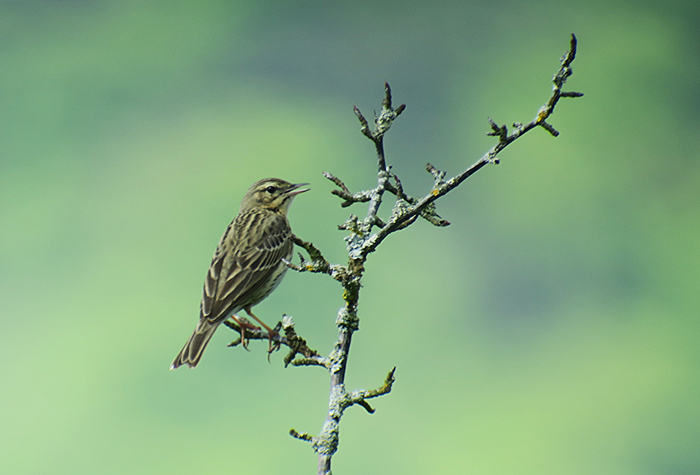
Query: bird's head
point(272, 193)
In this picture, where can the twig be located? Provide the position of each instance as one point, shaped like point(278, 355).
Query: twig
point(345, 194)
point(305, 437)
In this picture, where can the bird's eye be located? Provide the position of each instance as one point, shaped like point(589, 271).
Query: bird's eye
point(271, 189)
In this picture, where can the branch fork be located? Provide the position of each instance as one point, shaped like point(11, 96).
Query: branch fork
point(326, 443)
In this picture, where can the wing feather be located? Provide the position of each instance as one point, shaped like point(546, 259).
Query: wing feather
point(248, 256)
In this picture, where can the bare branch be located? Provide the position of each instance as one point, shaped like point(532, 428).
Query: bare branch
point(360, 397)
point(326, 443)
point(318, 361)
point(345, 194)
point(429, 213)
point(365, 235)
point(397, 222)
point(548, 127)
point(571, 94)
point(364, 126)
point(318, 263)
point(438, 175)
point(383, 122)
point(559, 79)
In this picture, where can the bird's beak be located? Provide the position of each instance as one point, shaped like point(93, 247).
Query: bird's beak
point(294, 189)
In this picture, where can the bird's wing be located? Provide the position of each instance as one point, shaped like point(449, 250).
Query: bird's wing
point(245, 258)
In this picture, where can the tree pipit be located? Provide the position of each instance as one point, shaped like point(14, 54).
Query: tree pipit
point(247, 265)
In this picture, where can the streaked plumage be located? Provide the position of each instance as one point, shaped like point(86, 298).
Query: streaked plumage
point(247, 265)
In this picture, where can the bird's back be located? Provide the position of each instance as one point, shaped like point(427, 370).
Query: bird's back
point(247, 266)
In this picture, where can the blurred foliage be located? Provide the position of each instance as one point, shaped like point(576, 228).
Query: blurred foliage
point(551, 329)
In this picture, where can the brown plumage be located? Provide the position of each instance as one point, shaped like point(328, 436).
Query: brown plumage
point(247, 265)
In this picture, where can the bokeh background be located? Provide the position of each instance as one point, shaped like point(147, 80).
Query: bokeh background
point(552, 329)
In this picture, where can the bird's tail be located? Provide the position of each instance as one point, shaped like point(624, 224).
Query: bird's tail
point(192, 352)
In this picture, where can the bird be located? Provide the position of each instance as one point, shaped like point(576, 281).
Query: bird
point(248, 264)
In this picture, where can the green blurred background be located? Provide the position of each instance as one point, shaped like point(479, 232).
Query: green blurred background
point(552, 329)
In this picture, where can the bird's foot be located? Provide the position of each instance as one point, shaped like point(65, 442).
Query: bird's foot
point(243, 324)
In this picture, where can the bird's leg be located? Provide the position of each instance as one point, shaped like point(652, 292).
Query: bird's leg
point(243, 326)
point(270, 332)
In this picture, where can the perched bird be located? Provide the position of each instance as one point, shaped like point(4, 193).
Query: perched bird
point(247, 265)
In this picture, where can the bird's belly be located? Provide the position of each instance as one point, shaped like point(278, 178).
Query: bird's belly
point(271, 285)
